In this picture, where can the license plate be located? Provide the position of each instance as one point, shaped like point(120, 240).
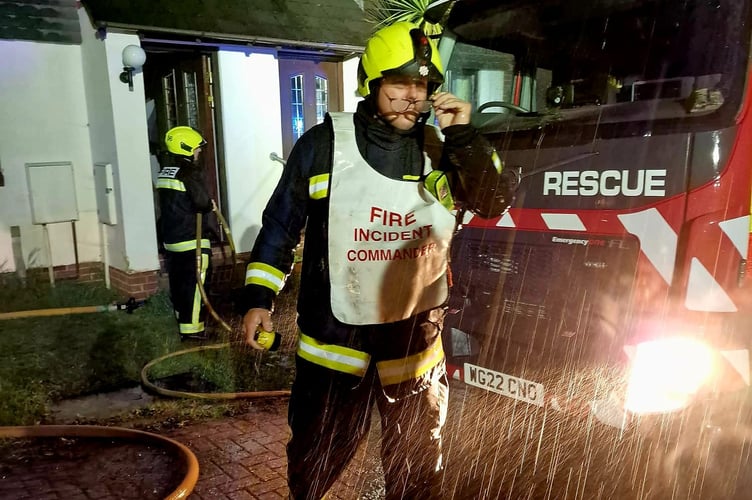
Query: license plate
point(506, 385)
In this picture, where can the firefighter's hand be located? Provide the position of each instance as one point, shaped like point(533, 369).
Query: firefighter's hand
point(254, 319)
point(450, 110)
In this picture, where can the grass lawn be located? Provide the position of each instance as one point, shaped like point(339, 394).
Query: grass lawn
point(50, 358)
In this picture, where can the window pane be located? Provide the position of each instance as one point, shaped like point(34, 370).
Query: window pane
point(296, 106)
point(170, 99)
point(322, 98)
point(191, 99)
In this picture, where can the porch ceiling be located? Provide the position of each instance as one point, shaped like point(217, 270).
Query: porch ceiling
point(332, 26)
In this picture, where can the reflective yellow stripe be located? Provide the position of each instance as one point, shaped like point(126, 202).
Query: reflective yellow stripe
point(258, 273)
point(498, 164)
point(186, 328)
point(438, 185)
point(165, 183)
point(411, 177)
point(184, 246)
point(395, 371)
point(318, 186)
point(334, 357)
point(197, 293)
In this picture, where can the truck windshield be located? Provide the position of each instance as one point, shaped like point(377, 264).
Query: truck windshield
point(521, 64)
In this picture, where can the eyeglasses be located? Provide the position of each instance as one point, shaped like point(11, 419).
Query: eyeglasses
point(401, 105)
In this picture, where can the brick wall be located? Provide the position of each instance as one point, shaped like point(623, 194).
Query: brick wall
point(140, 285)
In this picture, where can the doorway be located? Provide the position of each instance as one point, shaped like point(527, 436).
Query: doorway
point(179, 90)
point(308, 90)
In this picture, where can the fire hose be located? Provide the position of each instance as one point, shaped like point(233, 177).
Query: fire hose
point(103, 432)
point(92, 431)
point(129, 306)
point(210, 309)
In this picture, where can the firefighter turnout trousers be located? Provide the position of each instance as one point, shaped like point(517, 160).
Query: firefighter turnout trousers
point(330, 415)
point(184, 292)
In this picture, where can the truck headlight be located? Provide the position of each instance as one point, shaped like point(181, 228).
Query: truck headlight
point(665, 374)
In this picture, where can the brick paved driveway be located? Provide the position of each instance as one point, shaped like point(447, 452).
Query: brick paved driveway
point(243, 457)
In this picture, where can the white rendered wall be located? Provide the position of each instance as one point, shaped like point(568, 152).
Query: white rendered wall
point(251, 131)
point(43, 118)
point(350, 84)
point(119, 136)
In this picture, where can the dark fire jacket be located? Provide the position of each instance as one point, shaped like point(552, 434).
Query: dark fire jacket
point(471, 164)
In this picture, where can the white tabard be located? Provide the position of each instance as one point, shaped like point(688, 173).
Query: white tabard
point(388, 239)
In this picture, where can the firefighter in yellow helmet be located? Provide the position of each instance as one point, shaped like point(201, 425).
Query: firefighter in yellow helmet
point(181, 186)
point(379, 217)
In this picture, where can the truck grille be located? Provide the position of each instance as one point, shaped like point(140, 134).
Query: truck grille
point(525, 295)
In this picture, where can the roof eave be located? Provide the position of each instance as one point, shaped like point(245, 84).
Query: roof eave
point(342, 50)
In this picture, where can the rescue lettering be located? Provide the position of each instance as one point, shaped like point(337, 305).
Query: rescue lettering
point(606, 183)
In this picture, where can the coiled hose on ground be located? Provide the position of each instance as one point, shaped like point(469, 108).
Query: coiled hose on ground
point(150, 386)
point(92, 431)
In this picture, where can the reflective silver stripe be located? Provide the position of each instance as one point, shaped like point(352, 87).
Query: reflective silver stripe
point(184, 246)
point(334, 357)
point(394, 371)
point(165, 183)
point(258, 273)
point(318, 186)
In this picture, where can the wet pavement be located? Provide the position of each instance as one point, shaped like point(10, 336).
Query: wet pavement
point(494, 448)
point(243, 457)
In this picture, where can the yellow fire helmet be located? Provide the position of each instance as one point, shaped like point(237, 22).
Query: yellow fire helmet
point(183, 140)
point(399, 49)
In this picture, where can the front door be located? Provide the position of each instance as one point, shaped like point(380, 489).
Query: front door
point(308, 90)
point(179, 91)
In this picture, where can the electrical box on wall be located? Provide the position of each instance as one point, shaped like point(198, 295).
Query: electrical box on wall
point(52, 192)
point(104, 185)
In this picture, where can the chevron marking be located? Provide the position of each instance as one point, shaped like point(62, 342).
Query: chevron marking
point(704, 293)
point(657, 239)
point(564, 222)
point(737, 231)
point(506, 221)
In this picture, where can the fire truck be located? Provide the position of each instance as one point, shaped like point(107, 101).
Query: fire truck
point(625, 252)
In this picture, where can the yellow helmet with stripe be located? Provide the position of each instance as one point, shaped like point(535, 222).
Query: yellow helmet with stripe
point(183, 140)
point(399, 49)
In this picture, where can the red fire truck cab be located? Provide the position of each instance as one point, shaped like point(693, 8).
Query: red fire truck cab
point(617, 279)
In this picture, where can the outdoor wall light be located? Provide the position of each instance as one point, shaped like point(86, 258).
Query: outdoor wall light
point(134, 58)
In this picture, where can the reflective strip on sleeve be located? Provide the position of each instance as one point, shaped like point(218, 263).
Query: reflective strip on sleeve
point(318, 186)
point(165, 183)
point(411, 177)
point(185, 246)
point(258, 273)
point(394, 371)
point(334, 357)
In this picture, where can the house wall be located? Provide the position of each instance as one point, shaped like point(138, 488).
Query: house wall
point(250, 119)
point(119, 136)
point(62, 102)
point(43, 118)
point(350, 84)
